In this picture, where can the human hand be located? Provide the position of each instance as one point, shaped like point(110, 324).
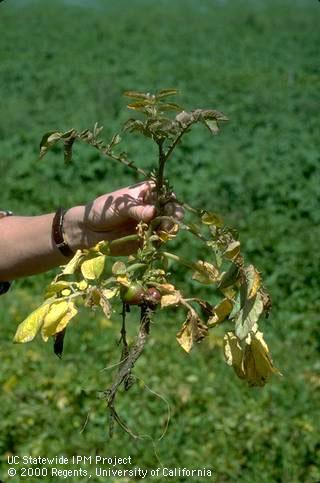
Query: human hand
point(115, 215)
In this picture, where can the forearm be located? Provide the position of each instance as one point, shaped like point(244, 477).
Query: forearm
point(27, 246)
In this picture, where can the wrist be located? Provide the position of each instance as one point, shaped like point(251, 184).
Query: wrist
point(74, 228)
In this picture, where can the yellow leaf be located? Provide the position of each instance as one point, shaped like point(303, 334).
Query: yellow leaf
point(73, 264)
point(232, 251)
point(92, 269)
point(184, 337)
point(65, 292)
point(233, 353)
point(258, 365)
point(57, 318)
point(253, 280)
point(206, 273)
point(29, 328)
point(193, 330)
point(123, 280)
point(212, 219)
point(83, 285)
point(56, 287)
point(119, 268)
point(108, 293)
point(221, 312)
point(171, 299)
point(165, 288)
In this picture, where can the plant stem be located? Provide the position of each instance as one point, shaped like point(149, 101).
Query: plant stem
point(160, 177)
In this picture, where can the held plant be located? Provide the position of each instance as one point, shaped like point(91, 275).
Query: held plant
point(94, 278)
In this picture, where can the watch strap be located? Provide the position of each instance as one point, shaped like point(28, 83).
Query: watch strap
point(57, 233)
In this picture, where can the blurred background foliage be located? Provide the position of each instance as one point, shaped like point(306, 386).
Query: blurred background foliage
point(66, 64)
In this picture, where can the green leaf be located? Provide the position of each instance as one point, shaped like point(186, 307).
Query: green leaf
point(29, 328)
point(248, 316)
point(92, 269)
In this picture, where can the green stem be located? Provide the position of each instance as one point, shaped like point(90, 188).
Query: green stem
point(181, 260)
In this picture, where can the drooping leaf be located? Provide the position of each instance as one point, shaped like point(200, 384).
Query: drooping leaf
point(119, 268)
point(169, 106)
point(73, 264)
point(56, 287)
point(253, 280)
point(57, 318)
point(48, 140)
point(233, 353)
point(29, 328)
point(230, 277)
point(206, 273)
point(136, 95)
point(166, 92)
point(209, 218)
point(232, 250)
point(248, 316)
point(92, 269)
point(220, 312)
point(105, 304)
point(257, 363)
point(192, 331)
point(212, 125)
point(58, 342)
point(171, 299)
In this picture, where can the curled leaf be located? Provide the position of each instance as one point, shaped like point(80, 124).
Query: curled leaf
point(233, 353)
point(193, 330)
point(73, 264)
point(209, 218)
point(206, 273)
point(253, 280)
point(171, 299)
point(257, 363)
point(220, 312)
point(57, 318)
point(232, 250)
point(248, 316)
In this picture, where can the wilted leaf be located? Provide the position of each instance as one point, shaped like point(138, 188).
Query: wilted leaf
point(171, 299)
point(57, 318)
point(136, 95)
point(233, 353)
point(257, 363)
point(119, 268)
point(253, 280)
point(193, 330)
point(220, 312)
point(166, 92)
point(232, 250)
point(73, 264)
point(105, 304)
point(92, 269)
point(56, 287)
point(230, 277)
point(29, 328)
point(58, 342)
point(212, 125)
point(169, 106)
point(209, 218)
point(48, 140)
point(248, 316)
point(206, 273)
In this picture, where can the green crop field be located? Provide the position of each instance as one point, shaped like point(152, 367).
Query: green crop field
point(66, 64)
